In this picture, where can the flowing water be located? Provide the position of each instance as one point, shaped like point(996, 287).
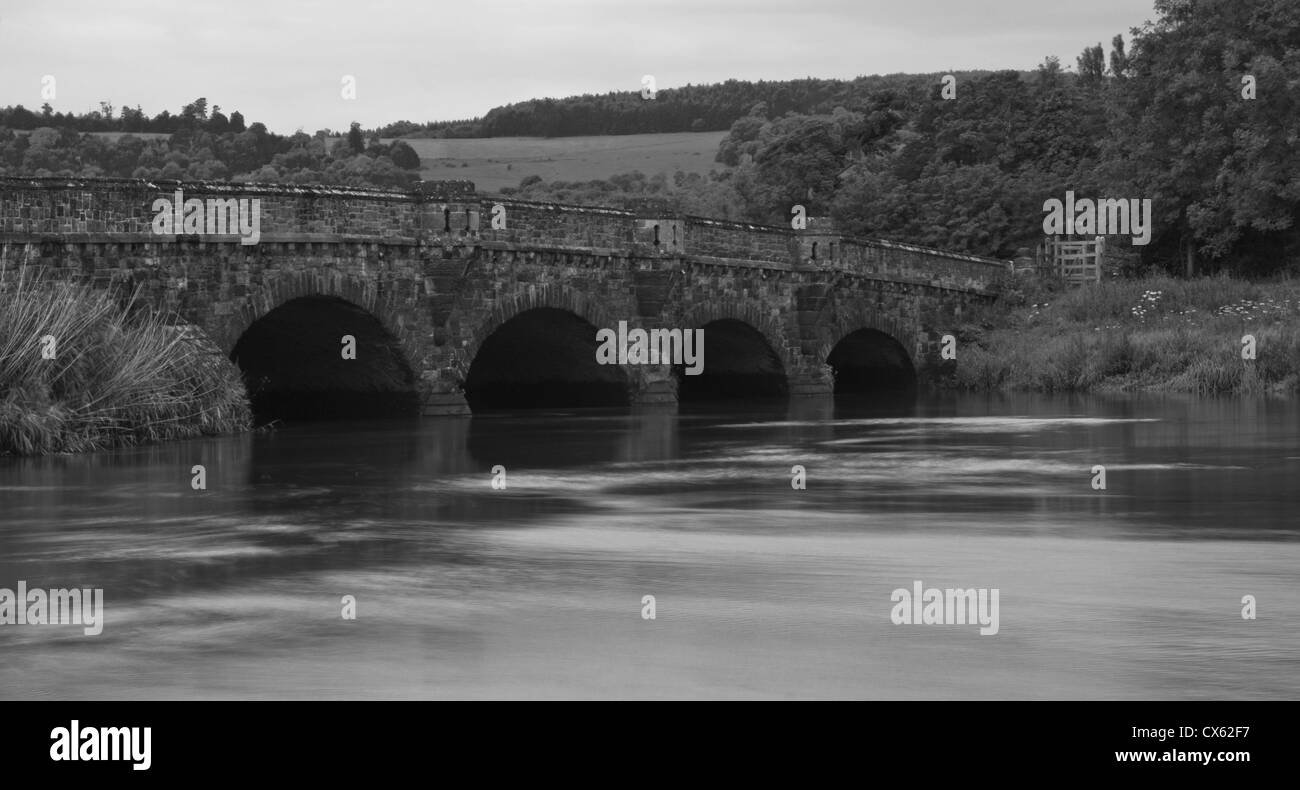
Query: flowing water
point(760, 589)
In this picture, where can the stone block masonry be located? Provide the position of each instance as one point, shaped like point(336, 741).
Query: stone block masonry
point(429, 266)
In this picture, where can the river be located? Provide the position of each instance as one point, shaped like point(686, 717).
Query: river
point(760, 589)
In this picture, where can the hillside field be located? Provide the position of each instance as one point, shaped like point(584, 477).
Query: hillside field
point(496, 162)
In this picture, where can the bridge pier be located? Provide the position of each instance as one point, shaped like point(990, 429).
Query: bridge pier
point(658, 393)
point(444, 404)
point(654, 386)
point(439, 397)
point(813, 382)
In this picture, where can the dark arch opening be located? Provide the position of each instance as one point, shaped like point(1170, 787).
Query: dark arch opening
point(868, 361)
point(738, 365)
point(542, 358)
point(293, 364)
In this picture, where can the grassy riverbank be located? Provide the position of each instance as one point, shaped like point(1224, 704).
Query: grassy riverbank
point(1149, 334)
point(117, 376)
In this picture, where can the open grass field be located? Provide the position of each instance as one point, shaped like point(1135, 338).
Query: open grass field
point(495, 162)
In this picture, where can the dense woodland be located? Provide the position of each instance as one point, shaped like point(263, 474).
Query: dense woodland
point(1162, 116)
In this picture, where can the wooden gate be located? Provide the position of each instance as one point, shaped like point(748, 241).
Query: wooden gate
point(1076, 261)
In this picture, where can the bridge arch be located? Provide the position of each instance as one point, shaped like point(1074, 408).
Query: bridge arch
point(226, 330)
point(870, 352)
point(288, 339)
point(559, 297)
point(537, 347)
point(746, 353)
point(746, 311)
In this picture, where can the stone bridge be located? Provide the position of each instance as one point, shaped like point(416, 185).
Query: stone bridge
point(459, 301)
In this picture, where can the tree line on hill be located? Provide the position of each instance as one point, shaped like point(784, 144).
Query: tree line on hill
point(693, 108)
point(199, 152)
point(193, 116)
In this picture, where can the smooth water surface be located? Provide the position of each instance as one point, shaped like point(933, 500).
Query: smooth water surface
point(761, 590)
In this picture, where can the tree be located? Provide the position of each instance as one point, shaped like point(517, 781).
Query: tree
point(22, 118)
point(798, 162)
point(1219, 169)
point(404, 156)
point(1118, 60)
point(1049, 72)
point(237, 121)
point(196, 110)
point(1092, 65)
point(132, 120)
point(356, 141)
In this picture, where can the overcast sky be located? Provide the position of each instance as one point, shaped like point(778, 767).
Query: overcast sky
point(281, 62)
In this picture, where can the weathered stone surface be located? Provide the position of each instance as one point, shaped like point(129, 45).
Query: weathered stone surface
point(428, 265)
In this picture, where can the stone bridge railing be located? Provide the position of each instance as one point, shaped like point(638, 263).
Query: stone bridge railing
point(452, 214)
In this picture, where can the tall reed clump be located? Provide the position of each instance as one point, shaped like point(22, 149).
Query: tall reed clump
point(119, 375)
